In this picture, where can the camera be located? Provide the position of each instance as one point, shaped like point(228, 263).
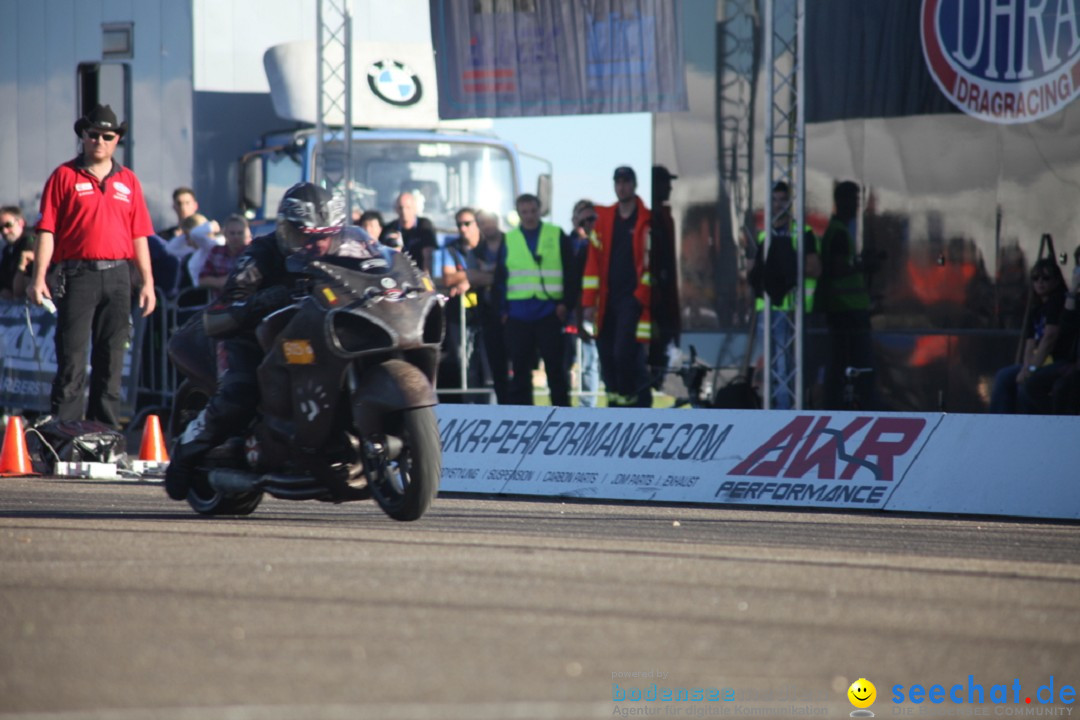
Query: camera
point(392, 239)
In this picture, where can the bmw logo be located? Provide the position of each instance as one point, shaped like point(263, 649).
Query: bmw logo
point(394, 82)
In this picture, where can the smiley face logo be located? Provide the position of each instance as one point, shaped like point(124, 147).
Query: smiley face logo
point(862, 693)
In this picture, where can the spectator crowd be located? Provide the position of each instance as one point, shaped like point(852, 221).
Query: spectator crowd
point(588, 313)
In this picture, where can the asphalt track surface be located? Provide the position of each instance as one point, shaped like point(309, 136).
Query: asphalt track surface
point(116, 603)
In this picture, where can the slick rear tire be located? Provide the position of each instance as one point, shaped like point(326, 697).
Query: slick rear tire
point(203, 499)
point(411, 481)
point(206, 501)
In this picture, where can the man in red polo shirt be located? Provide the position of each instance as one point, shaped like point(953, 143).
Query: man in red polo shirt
point(94, 223)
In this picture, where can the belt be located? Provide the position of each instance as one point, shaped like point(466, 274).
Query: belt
point(92, 264)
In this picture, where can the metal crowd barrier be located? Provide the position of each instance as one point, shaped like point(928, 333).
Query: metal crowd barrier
point(466, 389)
point(158, 378)
point(466, 361)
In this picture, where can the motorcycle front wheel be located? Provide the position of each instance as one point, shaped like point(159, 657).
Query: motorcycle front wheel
point(404, 486)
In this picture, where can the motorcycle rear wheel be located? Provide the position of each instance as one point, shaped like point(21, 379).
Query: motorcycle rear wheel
point(406, 486)
point(202, 498)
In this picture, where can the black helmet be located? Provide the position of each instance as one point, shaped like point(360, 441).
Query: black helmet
point(307, 212)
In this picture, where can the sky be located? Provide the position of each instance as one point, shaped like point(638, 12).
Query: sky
point(584, 151)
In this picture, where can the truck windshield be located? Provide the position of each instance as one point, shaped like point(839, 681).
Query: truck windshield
point(443, 175)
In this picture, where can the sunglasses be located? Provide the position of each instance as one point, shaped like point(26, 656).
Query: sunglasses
point(1044, 278)
point(106, 136)
point(466, 223)
point(590, 218)
point(8, 225)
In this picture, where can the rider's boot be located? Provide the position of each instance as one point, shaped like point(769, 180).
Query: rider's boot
point(186, 456)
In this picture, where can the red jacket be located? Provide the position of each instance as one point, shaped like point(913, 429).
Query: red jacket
point(594, 284)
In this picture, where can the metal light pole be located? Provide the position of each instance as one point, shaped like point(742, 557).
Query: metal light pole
point(334, 79)
point(785, 156)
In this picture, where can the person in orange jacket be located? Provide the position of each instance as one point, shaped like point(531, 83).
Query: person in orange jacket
point(616, 293)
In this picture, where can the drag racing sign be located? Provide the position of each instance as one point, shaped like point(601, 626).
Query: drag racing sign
point(1004, 62)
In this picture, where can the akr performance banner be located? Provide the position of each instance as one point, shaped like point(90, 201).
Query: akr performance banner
point(516, 58)
point(807, 459)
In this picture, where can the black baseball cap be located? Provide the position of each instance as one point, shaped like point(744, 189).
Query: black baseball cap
point(625, 172)
point(661, 174)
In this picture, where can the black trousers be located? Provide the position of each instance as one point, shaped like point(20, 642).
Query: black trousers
point(1065, 397)
point(450, 362)
point(526, 340)
point(236, 400)
point(1036, 396)
point(493, 338)
point(93, 314)
point(850, 345)
point(622, 357)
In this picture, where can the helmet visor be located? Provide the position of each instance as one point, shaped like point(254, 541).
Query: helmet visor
point(318, 241)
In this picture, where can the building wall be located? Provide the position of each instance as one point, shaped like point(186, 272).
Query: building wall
point(231, 37)
point(42, 42)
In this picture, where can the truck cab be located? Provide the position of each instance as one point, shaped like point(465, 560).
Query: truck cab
point(445, 171)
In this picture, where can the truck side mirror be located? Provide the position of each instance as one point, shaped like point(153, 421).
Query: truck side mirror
point(543, 191)
point(251, 180)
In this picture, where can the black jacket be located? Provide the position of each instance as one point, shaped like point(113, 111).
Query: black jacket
point(257, 286)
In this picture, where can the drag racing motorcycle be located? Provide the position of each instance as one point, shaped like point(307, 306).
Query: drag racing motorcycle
point(347, 406)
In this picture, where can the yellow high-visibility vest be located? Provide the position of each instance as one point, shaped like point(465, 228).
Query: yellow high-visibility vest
point(809, 283)
point(534, 276)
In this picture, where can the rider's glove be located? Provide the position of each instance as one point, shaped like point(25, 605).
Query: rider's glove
point(268, 300)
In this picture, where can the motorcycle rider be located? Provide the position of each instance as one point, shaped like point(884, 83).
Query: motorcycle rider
point(309, 217)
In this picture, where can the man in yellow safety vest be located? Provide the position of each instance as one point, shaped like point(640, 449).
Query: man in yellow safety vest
point(531, 288)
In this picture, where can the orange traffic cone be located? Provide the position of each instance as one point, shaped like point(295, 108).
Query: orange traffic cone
point(15, 457)
point(153, 442)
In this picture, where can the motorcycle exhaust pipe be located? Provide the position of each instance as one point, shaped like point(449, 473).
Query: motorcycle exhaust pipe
point(287, 487)
point(233, 482)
